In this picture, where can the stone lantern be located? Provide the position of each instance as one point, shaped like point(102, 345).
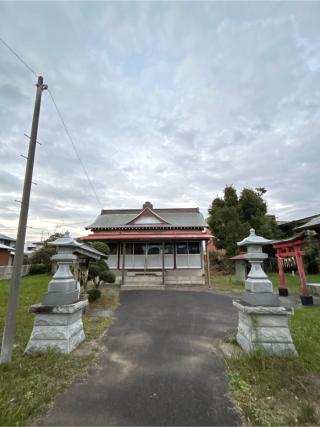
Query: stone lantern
point(263, 322)
point(258, 286)
point(58, 322)
point(62, 288)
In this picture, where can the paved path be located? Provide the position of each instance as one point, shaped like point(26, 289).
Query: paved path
point(160, 367)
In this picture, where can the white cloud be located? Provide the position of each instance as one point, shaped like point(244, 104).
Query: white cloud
point(166, 102)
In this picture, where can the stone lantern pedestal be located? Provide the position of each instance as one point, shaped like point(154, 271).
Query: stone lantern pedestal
point(57, 327)
point(264, 328)
point(263, 323)
point(58, 322)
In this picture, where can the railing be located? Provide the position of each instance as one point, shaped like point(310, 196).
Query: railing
point(6, 271)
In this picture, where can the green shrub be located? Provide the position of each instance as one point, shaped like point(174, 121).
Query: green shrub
point(93, 294)
point(94, 271)
point(39, 269)
point(102, 264)
point(101, 247)
point(108, 276)
point(43, 256)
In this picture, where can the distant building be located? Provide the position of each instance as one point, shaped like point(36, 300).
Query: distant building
point(31, 247)
point(290, 227)
point(313, 224)
point(7, 250)
point(6, 255)
point(7, 241)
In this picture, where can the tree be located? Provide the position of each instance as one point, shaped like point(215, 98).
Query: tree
point(231, 218)
point(43, 255)
point(224, 220)
point(312, 254)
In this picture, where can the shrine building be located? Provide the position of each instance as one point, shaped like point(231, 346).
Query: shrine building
point(168, 244)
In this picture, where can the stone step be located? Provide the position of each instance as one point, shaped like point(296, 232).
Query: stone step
point(137, 279)
point(141, 273)
point(142, 286)
point(184, 277)
point(185, 280)
point(143, 283)
point(167, 282)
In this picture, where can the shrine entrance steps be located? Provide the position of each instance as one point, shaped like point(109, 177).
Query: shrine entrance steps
point(143, 281)
point(153, 280)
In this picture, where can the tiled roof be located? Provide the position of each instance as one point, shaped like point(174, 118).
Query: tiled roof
point(290, 239)
point(173, 217)
point(296, 222)
point(314, 222)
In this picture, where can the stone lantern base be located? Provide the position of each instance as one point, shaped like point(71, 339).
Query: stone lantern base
point(264, 328)
point(57, 327)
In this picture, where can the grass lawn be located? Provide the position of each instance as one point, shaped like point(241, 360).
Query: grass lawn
point(229, 283)
point(272, 391)
point(30, 382)
point(226, 282)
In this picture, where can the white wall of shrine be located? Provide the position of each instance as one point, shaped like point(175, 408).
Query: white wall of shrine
point(148, 255)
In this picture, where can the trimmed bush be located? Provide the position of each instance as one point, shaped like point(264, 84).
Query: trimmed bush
point(101, 247)
point(38, 269)
point(108, 276)
point(94, 271)
point(93, 294)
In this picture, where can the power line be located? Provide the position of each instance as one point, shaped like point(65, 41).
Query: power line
point(63, 224)
point(19, 57)
point(61, 118)
point(37, 228)
point(74, 147)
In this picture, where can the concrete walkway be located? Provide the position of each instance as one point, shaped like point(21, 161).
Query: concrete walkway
point(160, 367)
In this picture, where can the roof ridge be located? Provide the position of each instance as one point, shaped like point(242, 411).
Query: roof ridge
point(163, 210)
point(119, 211)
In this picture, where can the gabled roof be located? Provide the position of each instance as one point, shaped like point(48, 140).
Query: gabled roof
point(150, 217)
point(170, 218)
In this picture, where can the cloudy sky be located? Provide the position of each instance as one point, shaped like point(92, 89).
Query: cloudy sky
point(165, 101)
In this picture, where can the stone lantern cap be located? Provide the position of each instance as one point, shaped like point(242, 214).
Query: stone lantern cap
point(68, 248)
point(254, 240)
point(65, 240)
point(65, 247)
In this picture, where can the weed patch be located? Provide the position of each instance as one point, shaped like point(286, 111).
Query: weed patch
point(273, 391)
point(30, 382)
point(229, 283)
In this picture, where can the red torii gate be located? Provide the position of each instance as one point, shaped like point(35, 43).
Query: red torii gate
point(291, 247)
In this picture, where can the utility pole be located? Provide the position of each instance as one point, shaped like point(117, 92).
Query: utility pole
point(10, 324)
